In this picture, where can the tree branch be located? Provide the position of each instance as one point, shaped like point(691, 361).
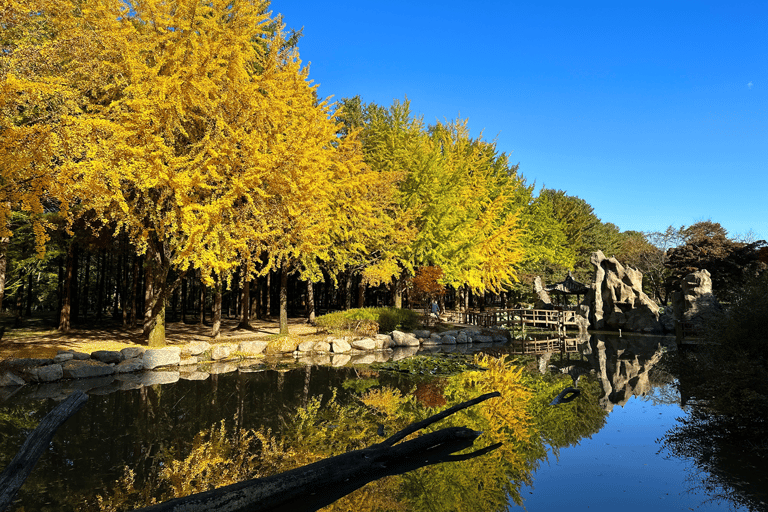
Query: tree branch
point(37, 442)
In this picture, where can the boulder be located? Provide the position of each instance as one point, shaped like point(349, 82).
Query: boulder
point(155, 357)
point(252, 348)
point(322, 347)
point(187, 361)
point(49, 373)
point(63, 356)
point(364, 344)
point(340, 346)
point(422, 333)
point(132, 352)
point(195, 348)
point(449, 339)
point(462, 338)
point(500, 335)
point(27, 362)
point(107, 356)
point(80, 356)
point(383, 341)
point(282, 345)
point(307, 346)
point(219, 352)
point(404, 339)
point(74, 369)
point(10, 379)
point(130, 366)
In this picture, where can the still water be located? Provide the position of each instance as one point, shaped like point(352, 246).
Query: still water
point(614, 460)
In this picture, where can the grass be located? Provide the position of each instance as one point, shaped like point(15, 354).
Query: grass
point(369, 321)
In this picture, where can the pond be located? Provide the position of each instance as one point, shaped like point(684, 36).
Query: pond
point(601, 451)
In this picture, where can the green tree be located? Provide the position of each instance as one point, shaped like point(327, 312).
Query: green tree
point(707, 246)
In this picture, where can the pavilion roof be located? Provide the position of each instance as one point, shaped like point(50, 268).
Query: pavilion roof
point(569, 285)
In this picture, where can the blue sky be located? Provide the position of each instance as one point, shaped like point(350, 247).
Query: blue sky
point(655, 113)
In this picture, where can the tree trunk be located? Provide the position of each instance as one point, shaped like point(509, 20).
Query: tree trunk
point(310, 302)
point(60, 285)
point(74, 301)
point(202, 299)
point(157, 293)
point(245, 305)
point(101, 283)
point(284, 299)
point(175, 306)
point(348, 292)
point(268, 297)
point(86, 282)
point(4, 241)
point(361, 294)
point(64, 316)
point(256, 310)
point(397, 293)
point(183, 301)
point(216, 327)
point(30, 294)
point(134, 291)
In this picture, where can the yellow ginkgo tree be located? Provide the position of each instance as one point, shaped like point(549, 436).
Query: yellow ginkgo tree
point(185, 124)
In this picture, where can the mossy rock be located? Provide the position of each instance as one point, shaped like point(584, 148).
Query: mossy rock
point(282, 345)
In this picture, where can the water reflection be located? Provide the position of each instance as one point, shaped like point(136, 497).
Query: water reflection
point(308, 413)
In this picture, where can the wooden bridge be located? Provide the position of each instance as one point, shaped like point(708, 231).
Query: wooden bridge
point(555, 320)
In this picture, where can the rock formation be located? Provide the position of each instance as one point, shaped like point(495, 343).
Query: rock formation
point(695, 301)
point(543, 301)
point(617, 300)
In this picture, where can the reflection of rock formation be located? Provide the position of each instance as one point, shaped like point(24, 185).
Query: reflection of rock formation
point(617, 301)
point(695, 301)
point(623, 364)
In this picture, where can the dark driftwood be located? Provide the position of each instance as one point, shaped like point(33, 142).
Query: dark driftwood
point(317, 485)
point(37, 442)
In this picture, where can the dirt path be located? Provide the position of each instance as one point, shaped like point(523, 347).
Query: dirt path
point(45, 342)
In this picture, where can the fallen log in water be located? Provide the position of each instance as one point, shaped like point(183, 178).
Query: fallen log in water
point(317, 485)
point(21, 466)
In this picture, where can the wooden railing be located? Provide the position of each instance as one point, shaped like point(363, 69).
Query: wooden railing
point(511, 318)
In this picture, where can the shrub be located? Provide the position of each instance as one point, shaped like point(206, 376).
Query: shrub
point(369, 321)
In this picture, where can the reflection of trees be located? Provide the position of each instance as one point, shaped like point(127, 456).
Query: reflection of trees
point(725, 384)
point(142, 427)
point(284, 420)
point(521, 420)
point(727, 455)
